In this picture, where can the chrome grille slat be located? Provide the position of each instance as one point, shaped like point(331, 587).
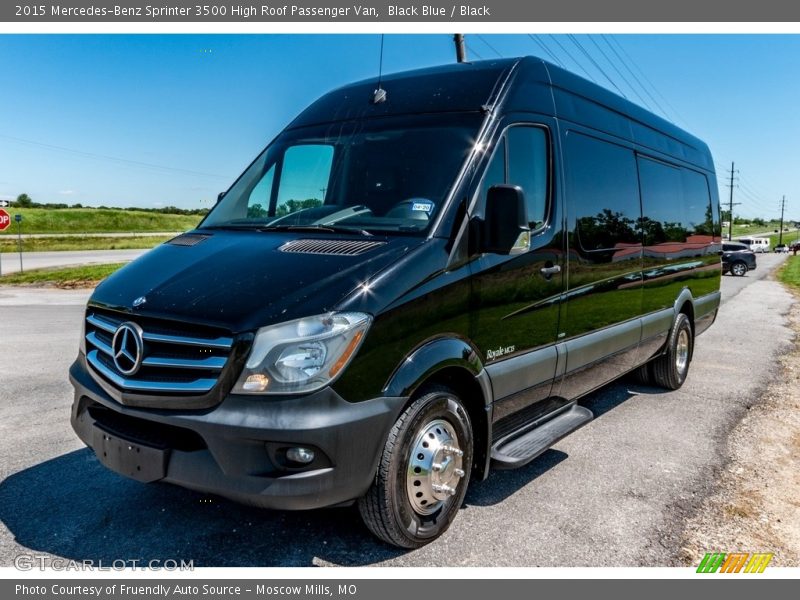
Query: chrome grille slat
point(337, 247)
point(101, 323)
point(95, 341)
point(214, 363)
point(223, 343)
point(198, 386)
point(171, 362)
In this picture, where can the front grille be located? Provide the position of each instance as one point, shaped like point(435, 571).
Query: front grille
point(337, 247)
point(175, 358)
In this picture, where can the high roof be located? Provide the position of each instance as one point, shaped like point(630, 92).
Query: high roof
point(526, 84)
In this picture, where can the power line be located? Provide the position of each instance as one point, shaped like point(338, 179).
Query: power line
point(635, 77)
point(594, 62)
point(116, 159)
point(572, 58)
point(547, 50)
point(650, 83)
point(473, 51)
point(492, 48)
point(614, 66)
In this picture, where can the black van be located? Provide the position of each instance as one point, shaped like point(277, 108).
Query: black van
point(411, 285)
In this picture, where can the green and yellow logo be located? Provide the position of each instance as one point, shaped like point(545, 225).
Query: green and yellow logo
point(736, 562)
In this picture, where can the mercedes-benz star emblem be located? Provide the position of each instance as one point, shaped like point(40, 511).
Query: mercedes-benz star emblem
point(128, 348)
point(139, 301)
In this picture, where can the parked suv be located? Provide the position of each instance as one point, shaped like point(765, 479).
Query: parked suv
point(411, 285)
point(737, 258)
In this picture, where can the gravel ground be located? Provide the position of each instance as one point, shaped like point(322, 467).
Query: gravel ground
point(755, 506)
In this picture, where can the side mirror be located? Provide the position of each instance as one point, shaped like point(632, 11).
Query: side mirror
point(220, 196)
point(505, 219)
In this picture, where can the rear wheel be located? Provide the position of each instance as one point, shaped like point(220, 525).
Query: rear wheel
point(739, 269)
point(424, 472)
point(670, 369)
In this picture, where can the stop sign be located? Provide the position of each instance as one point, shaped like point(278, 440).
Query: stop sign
point(5, 219)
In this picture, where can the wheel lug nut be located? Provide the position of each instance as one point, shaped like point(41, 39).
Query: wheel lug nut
point(450, 450)
point(436, 467)
point(444, 489)
point(459, 472)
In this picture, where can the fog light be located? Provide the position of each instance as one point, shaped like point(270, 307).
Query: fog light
point(300, 455)
point(256, 383)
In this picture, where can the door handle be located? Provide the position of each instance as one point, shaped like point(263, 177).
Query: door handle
point(548, 272)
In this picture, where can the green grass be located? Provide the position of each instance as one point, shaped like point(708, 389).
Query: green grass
point(67, 277)
point(96, 220)
point(790, 273)
point(81, 243)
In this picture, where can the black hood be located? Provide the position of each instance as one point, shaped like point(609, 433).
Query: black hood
point(240, 280)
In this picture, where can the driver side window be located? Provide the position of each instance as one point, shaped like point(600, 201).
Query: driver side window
point(521, 159)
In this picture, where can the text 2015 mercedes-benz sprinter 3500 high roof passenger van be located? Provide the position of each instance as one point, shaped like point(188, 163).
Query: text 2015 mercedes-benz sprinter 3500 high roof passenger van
point(411, 285)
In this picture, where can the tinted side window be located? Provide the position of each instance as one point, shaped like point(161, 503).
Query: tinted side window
point(675, 201)
point(527, 168)
point(697, 204)
point(604, 191)
point(496, 171)
point(664, 217)
point(521, 159)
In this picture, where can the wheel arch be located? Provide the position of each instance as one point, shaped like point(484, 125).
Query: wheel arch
point(454, 363)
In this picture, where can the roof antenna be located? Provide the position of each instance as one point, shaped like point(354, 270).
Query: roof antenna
point(379, 95)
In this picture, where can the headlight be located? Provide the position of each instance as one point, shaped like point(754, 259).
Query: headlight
point(303, 355)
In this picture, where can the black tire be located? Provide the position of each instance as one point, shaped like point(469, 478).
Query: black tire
point(739, 269)
point(670, 369)
point(643, 375)
point(389, 509)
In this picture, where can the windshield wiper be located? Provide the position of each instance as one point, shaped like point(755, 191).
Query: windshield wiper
point(325, 228)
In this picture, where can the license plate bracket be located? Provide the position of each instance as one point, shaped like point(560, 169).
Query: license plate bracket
point(134, 460)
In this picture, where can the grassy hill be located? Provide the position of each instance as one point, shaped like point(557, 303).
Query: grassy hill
point(97, 220)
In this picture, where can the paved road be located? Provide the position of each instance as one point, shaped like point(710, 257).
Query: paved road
point(614, 493)
point(38, 260)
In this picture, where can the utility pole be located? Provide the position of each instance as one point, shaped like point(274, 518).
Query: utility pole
point(461, 53)
point(780, 231)
point(731, 205)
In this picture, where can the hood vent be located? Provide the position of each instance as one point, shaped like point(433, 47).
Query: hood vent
point(335, 247)
point(188, 239)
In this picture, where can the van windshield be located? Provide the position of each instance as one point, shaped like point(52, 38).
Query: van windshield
point(380, 176)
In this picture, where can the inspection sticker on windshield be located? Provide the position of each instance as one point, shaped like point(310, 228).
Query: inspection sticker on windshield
point(423, 206)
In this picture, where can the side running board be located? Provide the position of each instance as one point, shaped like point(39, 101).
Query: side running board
point(514, 450)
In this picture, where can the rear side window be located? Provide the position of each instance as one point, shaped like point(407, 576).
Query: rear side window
point(675, 202)
point(602, 187)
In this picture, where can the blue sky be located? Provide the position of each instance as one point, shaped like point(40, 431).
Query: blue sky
point(154, 120)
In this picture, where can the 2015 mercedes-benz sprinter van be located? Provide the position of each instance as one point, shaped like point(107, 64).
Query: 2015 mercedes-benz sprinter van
point(412, 284)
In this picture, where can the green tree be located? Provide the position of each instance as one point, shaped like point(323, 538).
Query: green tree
point(23, 201)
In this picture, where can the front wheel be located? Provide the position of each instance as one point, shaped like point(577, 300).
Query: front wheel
point(670, 370)
point(739, 269)
point(424, 472)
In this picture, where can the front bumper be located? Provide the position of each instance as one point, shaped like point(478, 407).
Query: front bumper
point(237, 448)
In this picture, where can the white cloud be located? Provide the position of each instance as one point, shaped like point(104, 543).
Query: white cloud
point(67, 192)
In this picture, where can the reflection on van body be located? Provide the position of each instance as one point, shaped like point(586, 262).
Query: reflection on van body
point(403, 292)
